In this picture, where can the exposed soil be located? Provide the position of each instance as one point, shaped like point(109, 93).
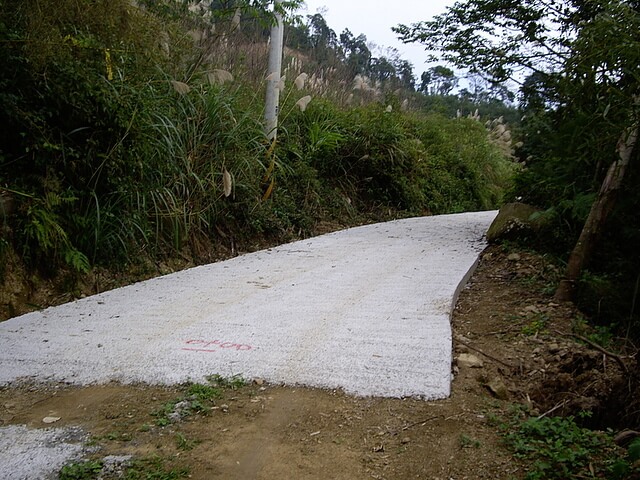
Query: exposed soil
point(512, 345)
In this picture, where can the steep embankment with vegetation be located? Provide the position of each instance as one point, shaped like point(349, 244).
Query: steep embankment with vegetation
point(133, 142)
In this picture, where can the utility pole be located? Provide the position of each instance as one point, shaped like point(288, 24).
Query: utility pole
point(274, 74)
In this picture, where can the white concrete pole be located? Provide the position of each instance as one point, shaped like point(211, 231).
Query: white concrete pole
point(274, 74)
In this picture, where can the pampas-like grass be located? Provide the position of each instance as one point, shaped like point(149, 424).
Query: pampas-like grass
point(219, 77)
point(300, 81)
point(303, 102)
point(235, 21)
point(180, 87)
point(227, 182)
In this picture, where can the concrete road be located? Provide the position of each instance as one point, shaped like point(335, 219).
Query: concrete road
point(366, 310)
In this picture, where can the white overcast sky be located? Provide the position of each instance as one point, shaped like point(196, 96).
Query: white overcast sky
point(375, 18)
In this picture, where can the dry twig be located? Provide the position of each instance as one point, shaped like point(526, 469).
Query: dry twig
point(475, 349)
point(615, 356)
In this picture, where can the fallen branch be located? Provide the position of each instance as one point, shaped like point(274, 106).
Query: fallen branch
point(475, 349)
point(560, 405)
point(421, 422)
point(615, 356)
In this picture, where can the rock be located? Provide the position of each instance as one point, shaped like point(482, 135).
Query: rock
point(469, 360)
point(515, 220)
point(554, 348)
point(50, 419)
point(462, 338)
point(497, 387)
point(258, 381)
point(406, 440)
point(114, 465)
point(174, 417)
point(514, 257)
point(183, 405)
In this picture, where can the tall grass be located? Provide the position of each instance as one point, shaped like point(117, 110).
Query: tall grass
point(165, 155)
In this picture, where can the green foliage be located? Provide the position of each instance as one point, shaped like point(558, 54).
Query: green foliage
point(154, 468)
point(536, 325)
point(183, 443)
point(80, 471)
point(226, 383)
point(628, 466)
point(45, 237)
point(124, 142)
point(414, 163)
point(468, 442)
point(198, 398)
point(557, 447)
point(582, 60)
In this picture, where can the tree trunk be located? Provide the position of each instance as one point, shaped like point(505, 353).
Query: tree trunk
point(600, 210)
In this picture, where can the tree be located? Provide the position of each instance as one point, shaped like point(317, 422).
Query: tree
point(581, 59)
point(323, 40)
point(438, 80)
point(497, 37)
point(356, 52)
point(404, 73)
point(382, 69)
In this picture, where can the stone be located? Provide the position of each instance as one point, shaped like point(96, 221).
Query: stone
point(174, 417)
point(554, 348)
point(470, 361)
point(114, 465)
point(514, 221)
point(497, 387)
point(50, 419)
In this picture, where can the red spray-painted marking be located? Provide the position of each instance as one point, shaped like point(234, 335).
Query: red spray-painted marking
point(206, 346)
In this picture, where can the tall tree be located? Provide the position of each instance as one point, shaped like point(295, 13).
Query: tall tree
point(356, 52)
point(438, 80)
point(582, 61)
point(404, 73)
point(324, 40)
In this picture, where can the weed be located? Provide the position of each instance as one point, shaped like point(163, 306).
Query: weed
point(183, 443)
point(231, 383)
point(625, 467)
point(558, 448)
point(154, 469)
point(198, 391)
point(468, 442)
point(492, 419)
point(80, 471)
point(162, 414)
point(538, 324)
point(198, 398)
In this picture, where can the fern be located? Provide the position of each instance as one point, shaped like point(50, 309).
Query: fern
point(45, 234)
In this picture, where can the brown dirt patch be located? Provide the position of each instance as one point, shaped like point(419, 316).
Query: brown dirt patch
point(505, 318)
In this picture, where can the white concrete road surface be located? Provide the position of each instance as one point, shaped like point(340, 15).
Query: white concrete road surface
point(366, 310)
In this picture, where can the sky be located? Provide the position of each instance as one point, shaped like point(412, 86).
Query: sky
point(374, 18)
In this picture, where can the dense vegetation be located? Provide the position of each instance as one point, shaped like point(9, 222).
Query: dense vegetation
point(135, 130)
point(578, 66)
